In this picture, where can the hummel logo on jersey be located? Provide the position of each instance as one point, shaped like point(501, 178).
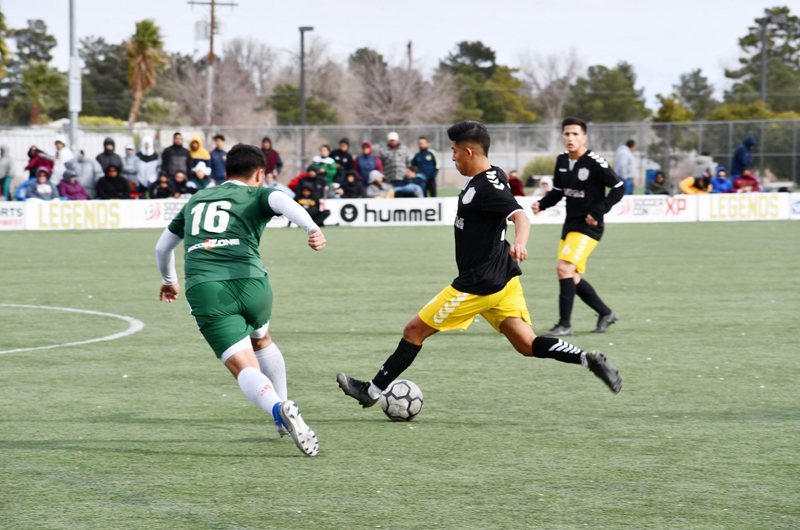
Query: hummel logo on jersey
point(208, 244)
point(491, 176)
point(599, 159)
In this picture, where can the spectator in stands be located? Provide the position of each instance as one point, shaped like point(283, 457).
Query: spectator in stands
point(271, 182)
point(378, 187)
point(162, 188)
point(704, 165)
point(274, 162)
point(63, 155)
point(318, 183)
point(324, 164)
point(343, 158)
point(108, 157)
point(367, 162)
point(746, 183)
point(131, 168)
point(6, 172)
point(742, 157)
point(180, 185)
point(198, 153)
point(351, 188)
point(149, 164)
point(176, 157)
point(201, 177)
point(412, 186)
point(659, 185)
point(545, 185)
point(41, 188)
point(218, 157)
point(625, 165)
point(515, 183)
point(394, 157)
point(89, 172)
point(307, 200)
point(695, 185)
point(36, 159)
point(112, 186)
point(426, 161)
point(70, 188)
point(721, 183)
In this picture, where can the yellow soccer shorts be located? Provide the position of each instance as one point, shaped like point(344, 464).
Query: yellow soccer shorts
point(452, 309)
point(576, 249)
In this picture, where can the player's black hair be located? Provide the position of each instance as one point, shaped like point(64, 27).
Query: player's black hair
point(244, 160)
point(219, 136)
point(706, 153)
point(630, 143)
point(422, 138)
point(573, 121)
point(176, 134)
point(470, 131)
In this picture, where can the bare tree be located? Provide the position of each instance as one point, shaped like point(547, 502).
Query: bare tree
point(258, 59)
point(550, 77)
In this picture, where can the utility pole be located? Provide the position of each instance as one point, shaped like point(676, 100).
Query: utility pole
point(303, 30)
point(764, 23)
point(75, 103)
point(210, 70)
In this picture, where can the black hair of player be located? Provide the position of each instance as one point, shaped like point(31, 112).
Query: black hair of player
point(706, 153)
point(219, 137)
point(244, 160)
point(630, 143)
point(573, 121)
point(422, 138)
point(176, 135)
point(472, 132)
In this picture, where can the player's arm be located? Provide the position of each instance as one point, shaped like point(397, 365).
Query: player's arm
point(553, 196)
point(165, 257)
point(522, 229)
point(281, 204)
point(610, 180)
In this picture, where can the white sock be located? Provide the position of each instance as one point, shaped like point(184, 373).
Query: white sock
point(270, 359)
point(373, 391)
point(258, 388)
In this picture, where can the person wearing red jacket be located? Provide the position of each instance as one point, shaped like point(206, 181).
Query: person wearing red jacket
point(274, 162)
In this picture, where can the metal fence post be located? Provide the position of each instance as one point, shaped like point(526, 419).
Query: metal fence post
point(761, 149)
point(668, 161)
point(700, 137)
point(794, 152)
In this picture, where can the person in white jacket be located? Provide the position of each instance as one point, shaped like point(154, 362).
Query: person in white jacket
point(625, 165)
point(63, 155)
point(149, 163)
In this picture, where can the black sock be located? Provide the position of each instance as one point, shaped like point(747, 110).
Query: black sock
point(396, 364)
point(554, 348)
point(590, 298)
point(565, 300)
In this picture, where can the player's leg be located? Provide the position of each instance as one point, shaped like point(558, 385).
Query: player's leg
point(606, 315)
point(567, 277)
point(270, 359)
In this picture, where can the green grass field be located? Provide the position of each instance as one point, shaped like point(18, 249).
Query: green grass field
point(703, 435)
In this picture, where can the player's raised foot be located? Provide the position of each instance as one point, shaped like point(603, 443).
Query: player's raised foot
point(559, 331)
point(358, 390)
point(602, 368)
point(304, 438)
point(282, 430)
point(604, 321)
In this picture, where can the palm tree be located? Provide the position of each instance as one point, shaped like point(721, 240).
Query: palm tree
point(42, 87)
point(146, 58)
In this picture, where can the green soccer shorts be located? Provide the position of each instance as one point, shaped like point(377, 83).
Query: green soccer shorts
point(230, 311)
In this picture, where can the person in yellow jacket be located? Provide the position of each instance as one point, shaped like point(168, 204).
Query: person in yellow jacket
point(197, 152)
point(695, 185)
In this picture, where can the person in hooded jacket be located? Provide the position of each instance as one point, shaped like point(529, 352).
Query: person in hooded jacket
point(41, 188)
point(307, 200)
point(36, 159)
point(149, 163)
point(695, 185)
point(89, 172)
point(325, 165)
point(131, 167)
point(201, 177)
point(108, 157)
point(742, 157)
point(63, 155)
point(378, 187)
point(746, 183)
point(6, 172)
point(343, 158)
point(273, 158)
point(112, 186)
point(70, 188)
point(721, 183)
point(367, 162)
point(318, 183)
point(351, 188)
point(198, 153)
point(659, 185)
point(176, 157)
point(162, 188)
point(180, 184)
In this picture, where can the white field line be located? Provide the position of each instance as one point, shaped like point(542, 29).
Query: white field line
point(135, 326)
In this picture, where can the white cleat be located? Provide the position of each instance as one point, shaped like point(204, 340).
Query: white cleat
point(282, 430)
point(304, 438)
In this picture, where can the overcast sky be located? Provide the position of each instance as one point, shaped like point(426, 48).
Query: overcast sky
point(662, 40)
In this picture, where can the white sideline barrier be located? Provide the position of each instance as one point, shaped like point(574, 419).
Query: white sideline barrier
point(82, 215)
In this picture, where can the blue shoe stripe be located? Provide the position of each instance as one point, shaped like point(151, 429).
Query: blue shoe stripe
point(276, 413)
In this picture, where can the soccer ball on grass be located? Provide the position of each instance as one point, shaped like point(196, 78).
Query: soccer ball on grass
point(402, 400)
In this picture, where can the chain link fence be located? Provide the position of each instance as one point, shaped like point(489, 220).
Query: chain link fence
point(671, 147)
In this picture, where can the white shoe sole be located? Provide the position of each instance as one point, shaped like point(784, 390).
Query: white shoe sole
point(303, 436)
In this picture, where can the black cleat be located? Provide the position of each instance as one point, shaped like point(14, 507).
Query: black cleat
point(356, 389)
point(602, 368)
point(604, 321)
point(559, 331)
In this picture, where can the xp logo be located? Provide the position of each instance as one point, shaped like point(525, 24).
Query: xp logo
point(349, 213)
point(675, 206)
point(796, 208)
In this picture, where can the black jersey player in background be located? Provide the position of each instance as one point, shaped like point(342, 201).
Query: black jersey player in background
point(582, 177)
point(488, 276)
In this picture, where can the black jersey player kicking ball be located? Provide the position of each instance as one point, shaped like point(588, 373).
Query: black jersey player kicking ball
point(582, 177)
point(487, 283)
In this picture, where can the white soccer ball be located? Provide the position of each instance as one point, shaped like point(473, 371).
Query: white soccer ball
point(402, 400)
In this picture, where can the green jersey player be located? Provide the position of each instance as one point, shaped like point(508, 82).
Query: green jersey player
point(227, 286)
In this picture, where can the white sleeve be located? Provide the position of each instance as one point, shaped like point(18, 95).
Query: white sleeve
point(281, 204)
point(165, 257)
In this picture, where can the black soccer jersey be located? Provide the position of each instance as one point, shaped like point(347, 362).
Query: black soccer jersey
point(584, 185)
point(484, 264)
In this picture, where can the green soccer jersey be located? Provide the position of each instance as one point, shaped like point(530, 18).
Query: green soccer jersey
point(221, 229)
